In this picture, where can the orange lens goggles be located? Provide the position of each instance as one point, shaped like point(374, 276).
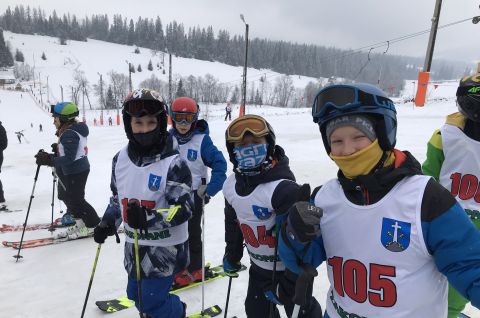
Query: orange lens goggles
point(253, 124)
point(184, 118)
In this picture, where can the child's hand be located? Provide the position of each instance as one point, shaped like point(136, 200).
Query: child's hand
point(136, 216)
point(303, 224)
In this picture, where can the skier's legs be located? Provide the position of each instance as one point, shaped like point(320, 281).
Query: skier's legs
point(256, 304)
point(195, 236)
point(75, 199)
point(456, 302)
point(156, 300)
point(2, 197)
point(286, 291)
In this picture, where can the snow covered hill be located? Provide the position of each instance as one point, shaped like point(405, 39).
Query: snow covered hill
point(98, 57)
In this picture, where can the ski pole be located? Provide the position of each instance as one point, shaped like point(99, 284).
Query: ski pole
point(139, 278)
point(271, 309)
point(302, 287)
point(52, 228)
point(28, 212)
point(203, 257)
point(228, 295)
point(91, 279)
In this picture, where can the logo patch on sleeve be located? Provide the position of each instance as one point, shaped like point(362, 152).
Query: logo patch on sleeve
point(395, 235)
point(154, 182)
point(261, 213)
point(192, 155)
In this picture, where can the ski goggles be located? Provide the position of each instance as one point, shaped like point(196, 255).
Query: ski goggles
point(184, 118)
point(139, 108)
point(253, 124)
point(344, 98)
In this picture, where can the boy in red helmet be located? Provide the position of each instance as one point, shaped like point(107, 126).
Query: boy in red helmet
point(198, 150)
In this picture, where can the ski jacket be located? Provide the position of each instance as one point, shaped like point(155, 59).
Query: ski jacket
point(284, 195)
point(442, 229)
point(3, 138)
point(199, 142)
point(173, 187)
point(72, 150)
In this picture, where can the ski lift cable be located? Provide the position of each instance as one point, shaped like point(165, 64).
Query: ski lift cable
point(361, 49)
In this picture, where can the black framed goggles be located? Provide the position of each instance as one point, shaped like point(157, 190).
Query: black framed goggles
point(139, 108)
point(345, 98)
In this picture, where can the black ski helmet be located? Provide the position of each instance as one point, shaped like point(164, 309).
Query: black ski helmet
point(142, 102)
point(268, 133)
point(468, 97)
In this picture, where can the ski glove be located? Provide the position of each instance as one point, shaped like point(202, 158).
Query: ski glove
point(136, 216)
point(102, 231)
point(43, 158)
point(202, 192)
point(54, 148)
point(231, 268)
point(303, 223)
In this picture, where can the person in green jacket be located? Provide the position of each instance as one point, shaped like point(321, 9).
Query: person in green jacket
point(453, 159)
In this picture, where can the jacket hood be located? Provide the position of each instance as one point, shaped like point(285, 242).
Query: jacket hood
point(81, 128)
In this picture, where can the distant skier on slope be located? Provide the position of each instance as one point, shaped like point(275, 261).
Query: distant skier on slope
point(257, 196)
point(198, 150)
point(71, 164)
point(453, 159)
point(149, 174)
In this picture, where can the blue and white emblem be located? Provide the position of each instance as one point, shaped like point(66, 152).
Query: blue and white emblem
point(395, 235)
point(261, 213)
point(192, 155)
point(154, 182)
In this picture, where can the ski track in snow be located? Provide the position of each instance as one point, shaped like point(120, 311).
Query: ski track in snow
point(52, 281)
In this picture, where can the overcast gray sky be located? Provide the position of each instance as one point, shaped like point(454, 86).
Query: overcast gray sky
point(341, 23)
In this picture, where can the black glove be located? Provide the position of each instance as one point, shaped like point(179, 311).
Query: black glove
point(44, 158)
point(136, 216)
point(102, 231)
point(303, 223)
point(54, 148)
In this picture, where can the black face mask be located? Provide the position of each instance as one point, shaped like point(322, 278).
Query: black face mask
point(149, 139)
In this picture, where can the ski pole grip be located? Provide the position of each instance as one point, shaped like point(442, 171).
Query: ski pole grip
point(301, 285)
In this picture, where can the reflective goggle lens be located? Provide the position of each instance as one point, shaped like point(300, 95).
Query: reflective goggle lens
point(139, 108)
point(184, 118)
point(255, 125)
point(339, 97)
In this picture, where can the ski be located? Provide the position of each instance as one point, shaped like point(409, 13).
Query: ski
point(121, 303)
point(30, 227)
point(460, 315)
point(7, 210)
point(208, 312)
point(39, 242)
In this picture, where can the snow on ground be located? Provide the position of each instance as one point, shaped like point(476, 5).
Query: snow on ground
point(52, 281)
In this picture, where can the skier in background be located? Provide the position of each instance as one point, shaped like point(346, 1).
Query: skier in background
point(19, 135)
point(71, 164)
point(228, 112)
point(453, 159)
point(198, 150)
point(149, 174)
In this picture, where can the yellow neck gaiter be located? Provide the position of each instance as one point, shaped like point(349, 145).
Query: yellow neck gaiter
point(362, 162)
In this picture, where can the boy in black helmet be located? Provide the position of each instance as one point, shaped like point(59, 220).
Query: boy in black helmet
point(257, 195)
point(69, 158)
point(453, 159)
point(151, 187)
